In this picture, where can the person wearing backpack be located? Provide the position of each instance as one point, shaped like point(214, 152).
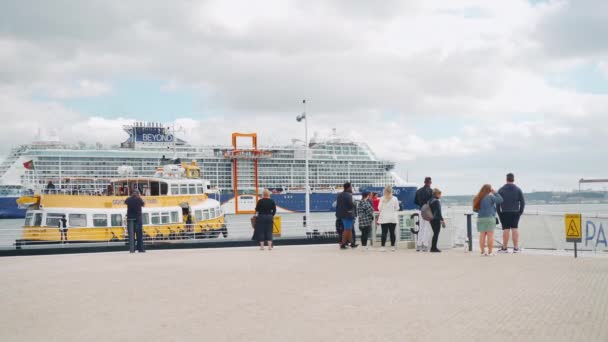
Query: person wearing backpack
point(437, 219)
point(423, 196)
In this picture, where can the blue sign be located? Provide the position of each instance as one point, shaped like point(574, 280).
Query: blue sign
point(152, 135)
point(595, 234)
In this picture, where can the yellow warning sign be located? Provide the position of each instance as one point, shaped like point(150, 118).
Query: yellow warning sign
point(573, 227)
point(276, 226)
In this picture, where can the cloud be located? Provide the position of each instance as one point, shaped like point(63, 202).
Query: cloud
point(424, 83)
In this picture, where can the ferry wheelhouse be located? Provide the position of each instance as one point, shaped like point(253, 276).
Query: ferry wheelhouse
point(177, 206)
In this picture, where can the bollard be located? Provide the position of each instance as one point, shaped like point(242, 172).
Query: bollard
point(469, 231)
point(131, 232)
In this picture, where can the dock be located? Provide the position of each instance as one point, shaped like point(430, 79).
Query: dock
point(303, 293)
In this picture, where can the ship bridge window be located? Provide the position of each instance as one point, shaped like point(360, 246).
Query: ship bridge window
point(155, 218)
point(199, 188)
point(158, 188)
point(145, 218)
point(174, 217)
point(100, 220)
point(174, 189)
point(192, 189)
point(116, 220)
point(183, 189)
point(52, 219)
point(28, 219)
point(78, 220)
point(198, 214)
point(37, 219)
point(206, 214)
point(164, 217)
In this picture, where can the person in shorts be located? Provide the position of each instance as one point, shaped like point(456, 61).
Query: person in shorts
point(484, 204)
point(345, 212)
point(509, 212)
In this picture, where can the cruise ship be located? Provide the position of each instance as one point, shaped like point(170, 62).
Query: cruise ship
point(332, 161)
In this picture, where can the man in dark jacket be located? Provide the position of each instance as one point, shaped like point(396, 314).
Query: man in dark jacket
point(509, 212)
point(345, 212)
point(423, 196)
point(134, 208)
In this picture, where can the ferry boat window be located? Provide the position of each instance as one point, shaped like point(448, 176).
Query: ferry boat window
point(28, 219)
point(145, 218)
point(183, 189)
point(174, 189)
point(52, 219)
point(174, 217)
point(155, 218)
point(199, 188)
point(192, 189)
point(100, 220)
point(198, 214)
point(78, 220)
point(164, 188)
point(206, 214)
point(37, 219)
point(164, 217)
point(116, 220)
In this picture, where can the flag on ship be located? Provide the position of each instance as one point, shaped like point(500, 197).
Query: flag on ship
point(29, 165)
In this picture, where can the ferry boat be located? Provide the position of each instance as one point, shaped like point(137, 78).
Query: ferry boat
point(333, 160)
point(177, 206)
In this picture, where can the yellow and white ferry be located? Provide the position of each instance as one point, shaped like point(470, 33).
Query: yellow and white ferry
point(173, 194)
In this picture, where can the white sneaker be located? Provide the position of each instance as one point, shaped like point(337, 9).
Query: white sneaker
point(393, 249)
point(366, 248)
point(383, 249)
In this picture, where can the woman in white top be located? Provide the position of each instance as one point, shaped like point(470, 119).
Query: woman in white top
point(389, 206)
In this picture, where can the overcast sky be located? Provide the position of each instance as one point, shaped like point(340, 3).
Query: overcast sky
point(461, 90)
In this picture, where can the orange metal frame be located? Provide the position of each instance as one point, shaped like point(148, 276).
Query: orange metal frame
point(236, 151)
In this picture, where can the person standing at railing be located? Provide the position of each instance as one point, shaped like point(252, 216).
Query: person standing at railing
point(50, 187)
point(63, 228)
point(484, 204)
point(422, 197)
point(437, 222)
point(375, 201)
point(389, 206)
point(134, 212)
point(345, 212)
point(509, 212)
point(365, 213)
point(265, 209)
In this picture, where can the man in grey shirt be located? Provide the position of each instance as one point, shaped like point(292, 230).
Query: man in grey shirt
point(509, 212)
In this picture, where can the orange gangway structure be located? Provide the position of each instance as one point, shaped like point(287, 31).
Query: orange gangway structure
point(245, 168)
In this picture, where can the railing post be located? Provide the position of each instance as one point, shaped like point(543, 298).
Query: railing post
point(131, 232)
point(469, 231)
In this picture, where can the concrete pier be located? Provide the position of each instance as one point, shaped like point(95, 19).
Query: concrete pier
point(303, 293)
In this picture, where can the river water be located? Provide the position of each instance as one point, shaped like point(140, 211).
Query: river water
point(239, 226)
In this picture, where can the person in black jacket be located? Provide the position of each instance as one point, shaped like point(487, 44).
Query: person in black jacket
point(423, 196)
point(134, 212)
point(63, 228)
point(265, 210)
point(509, 212)
point(437, 222)
point(345, 211)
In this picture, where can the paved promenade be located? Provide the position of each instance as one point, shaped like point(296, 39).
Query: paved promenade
point(303, 293)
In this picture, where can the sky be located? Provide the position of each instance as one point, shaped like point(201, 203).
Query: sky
point(462, 90)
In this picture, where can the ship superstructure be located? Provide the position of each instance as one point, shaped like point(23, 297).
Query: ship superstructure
point(332, 161)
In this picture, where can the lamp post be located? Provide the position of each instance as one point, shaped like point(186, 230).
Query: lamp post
point(307, 186)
